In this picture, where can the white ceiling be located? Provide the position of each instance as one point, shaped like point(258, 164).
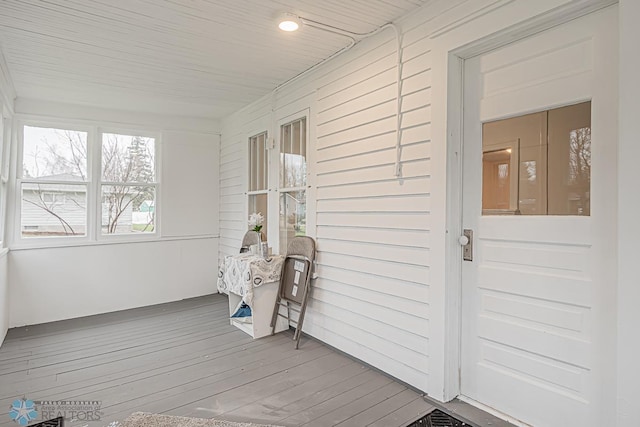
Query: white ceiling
point(202, 58)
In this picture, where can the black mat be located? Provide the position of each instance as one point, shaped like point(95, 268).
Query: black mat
point(55, 422)
point(437, 418)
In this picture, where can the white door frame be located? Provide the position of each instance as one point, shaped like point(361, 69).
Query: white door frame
point(455, 108)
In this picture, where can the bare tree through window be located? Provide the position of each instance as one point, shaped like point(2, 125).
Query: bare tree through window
point(55, 183)
point(128, 167)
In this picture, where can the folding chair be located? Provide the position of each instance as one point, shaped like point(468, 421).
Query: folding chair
point(250, 238)
point(295, 283)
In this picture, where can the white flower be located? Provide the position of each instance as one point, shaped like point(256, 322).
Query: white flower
point(256, 220)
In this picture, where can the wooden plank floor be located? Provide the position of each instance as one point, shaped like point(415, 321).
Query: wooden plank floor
point(184, 358)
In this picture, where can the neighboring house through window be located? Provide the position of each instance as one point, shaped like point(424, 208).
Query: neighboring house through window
point(58, 187)
point(53, 182)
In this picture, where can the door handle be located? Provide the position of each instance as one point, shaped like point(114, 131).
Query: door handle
point(466, 241)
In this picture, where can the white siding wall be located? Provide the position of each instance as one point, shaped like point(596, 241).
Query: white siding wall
point(49, 283)
point(380, 295)
point(373, 229)
point(233, 167)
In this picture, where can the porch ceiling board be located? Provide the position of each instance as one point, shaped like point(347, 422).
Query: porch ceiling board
point(204, 58)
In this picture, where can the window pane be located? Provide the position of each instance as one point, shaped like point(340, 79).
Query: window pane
point(496, 178)
point(549, 167)
point(258, 162)
point(128, 158)
point(570, 160)
point(293, 163)
point(128, 209)
point(258, 204)
point(54, 210)
point(54, 154)
point(293, 217)
point(533, 180)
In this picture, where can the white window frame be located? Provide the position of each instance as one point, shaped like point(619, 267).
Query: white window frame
point(265, 191)
point(99, 183)
point(21, 241)
point(94, 181)
point(303, 114)
point(6, 131)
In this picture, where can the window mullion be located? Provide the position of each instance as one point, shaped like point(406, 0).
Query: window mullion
point(94, 152)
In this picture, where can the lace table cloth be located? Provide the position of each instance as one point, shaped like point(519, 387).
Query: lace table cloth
point(241, 273)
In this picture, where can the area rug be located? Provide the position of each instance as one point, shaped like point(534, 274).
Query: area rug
point(142, 419)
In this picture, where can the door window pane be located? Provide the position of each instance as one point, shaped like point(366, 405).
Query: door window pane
point(570, 160)
point(538, 164)
point(496, 173)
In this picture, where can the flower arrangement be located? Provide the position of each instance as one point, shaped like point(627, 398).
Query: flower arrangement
point(255, 221)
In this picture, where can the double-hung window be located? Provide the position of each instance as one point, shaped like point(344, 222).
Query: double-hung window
point(53, 182)
point(293, 181)
point(69, 189)
point(258, 177)
point(128, 184)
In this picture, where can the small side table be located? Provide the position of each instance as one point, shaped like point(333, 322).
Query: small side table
point(254, 280)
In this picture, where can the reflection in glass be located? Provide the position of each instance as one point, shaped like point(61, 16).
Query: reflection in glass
point(496, 193)
point(554, 163)
point(570, 160)
point(293, 217)
point(50, 210)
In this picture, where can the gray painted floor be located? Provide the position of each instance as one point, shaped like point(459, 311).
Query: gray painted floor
point(184, 358)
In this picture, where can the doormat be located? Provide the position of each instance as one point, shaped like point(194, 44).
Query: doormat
point(437, 418)
point(55, 422)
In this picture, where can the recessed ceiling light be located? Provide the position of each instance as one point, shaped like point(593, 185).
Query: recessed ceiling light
point(289, 22)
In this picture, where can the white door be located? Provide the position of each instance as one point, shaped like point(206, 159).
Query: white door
point(538, 298)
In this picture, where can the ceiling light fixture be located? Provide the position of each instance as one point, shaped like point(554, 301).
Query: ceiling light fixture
point(289, 22)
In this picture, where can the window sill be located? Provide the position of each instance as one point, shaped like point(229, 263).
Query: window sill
point(125, 240)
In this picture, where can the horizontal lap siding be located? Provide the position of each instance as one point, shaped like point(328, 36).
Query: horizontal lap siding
point(371, 298)
point(232, 199)
point(373, 229)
